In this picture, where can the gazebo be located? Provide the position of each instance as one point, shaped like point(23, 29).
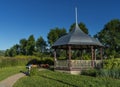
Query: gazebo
point(77, 39)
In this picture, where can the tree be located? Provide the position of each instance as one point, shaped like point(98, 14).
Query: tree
point(13, 51)
point(41, 44)
point(23, 44)
point(2, 52)
point(109, 36)
point(30, 45)
point(7, 52)
point(82, 27)
point(54, 34)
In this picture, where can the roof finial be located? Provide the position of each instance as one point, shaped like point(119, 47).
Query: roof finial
point(76, 15)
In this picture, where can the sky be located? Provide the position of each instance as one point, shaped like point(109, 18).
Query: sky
point(21, 18)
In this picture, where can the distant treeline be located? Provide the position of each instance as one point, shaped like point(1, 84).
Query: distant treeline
point(2, 52)
point(109, 36)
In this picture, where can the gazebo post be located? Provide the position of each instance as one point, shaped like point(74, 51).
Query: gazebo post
point(92, 51)
point(95, 54)
point(69, 63)
point(101, 53)
point(55, 58)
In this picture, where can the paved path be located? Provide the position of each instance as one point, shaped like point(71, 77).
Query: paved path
point(11, 80)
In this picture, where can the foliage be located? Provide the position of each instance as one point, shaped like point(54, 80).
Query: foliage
point(82, 27)
point(2, 52)
point(109, 36)
point(111, 69)
point(47, 78)
point(41, 45)
point(81, 54)
point(111, 63)
point(30, 45)
point(8, 71)
point(110, 73)
point(54, 34)
point(27, 47)
point(90, 72)
point(8, 62)
point(24, 60)
point(23, 44)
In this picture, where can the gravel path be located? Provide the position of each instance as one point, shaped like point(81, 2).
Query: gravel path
point(11, 80)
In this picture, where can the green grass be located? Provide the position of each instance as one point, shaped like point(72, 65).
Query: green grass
point(47, 78)
point(8, 71)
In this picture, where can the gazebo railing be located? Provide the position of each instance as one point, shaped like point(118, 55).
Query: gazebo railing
point(79, 64)
point(62, 63)
point(82, 64)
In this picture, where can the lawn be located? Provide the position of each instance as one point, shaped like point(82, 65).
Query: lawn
point(47, 78)
point(8, 71)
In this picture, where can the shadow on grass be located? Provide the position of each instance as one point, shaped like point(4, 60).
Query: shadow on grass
point(59, 81)
point(26, 73)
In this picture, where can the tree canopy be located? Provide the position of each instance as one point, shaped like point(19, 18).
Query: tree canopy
point(27, 47)
point(109, 36)
point(54, 34)
point(41, 44)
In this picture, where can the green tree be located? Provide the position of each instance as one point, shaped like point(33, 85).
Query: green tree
point(54, 34)
point(30, 45)
point(82, 27)
point(109, 36)
point(2, 52)
point(41, 44)
point(13, 51)
point(23, 44)
point(7, 52)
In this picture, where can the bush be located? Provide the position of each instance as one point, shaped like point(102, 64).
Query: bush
point(48, 61)
point(7, 62)
point(91, 72)
point(110, 73)
point(10, 61)
point(111, 63)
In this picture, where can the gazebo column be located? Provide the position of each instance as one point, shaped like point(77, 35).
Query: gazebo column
point(101, 53)
point(69, 62)
point(55, 59)
point(93, 53)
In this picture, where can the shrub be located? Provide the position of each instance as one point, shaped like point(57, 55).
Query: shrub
point(111, 63)
point(111, 73)
point(10, 61)
point(48, 61)
point(6, 62)
point(91, 72)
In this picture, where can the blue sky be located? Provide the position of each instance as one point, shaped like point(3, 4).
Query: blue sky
point(21, 18)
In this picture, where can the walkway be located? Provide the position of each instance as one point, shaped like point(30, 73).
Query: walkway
point(11, 80)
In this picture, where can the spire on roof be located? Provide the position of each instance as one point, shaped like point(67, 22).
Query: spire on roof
point(76, 16)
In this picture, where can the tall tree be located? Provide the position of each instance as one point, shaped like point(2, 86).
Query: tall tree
point(16, 50)
point(82, 27)
point(54, 34)
point(109, 36)
point(30, 45)
point(41, 44)
point(13, 51)
point(2, 52)
point(23, 44)
point(7, 52)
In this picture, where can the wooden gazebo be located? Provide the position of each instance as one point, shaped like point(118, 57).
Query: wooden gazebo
point(77, 39)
